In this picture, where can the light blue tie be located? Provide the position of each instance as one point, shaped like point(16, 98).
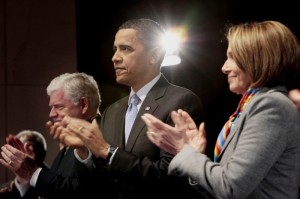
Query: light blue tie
point(131, 115)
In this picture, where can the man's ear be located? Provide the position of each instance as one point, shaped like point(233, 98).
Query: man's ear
point(84, 103)
point(154, 57)
point(29, 149)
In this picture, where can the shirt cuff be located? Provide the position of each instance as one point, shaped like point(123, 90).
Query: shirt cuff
point(22, 187)
point(88, 162)
point(34, 177)
point(112, 156)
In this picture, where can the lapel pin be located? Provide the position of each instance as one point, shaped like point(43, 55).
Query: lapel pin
point(147, 108)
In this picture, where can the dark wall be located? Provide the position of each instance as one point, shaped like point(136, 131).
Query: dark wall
point(37, 43)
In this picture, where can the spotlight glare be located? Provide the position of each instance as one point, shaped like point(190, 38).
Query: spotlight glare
point(171, 42)
point(171, 60)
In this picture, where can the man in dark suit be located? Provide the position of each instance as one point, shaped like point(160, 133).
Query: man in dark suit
point(137, 168)
point(34, 142)
point(76, 95)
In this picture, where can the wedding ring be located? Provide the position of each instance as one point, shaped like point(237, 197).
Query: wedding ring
point(80, 128)
point(152, 133)
point(10, 162)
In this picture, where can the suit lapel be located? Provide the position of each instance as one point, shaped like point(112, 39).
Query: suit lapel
point(231, 135)
point(120, 119)
point(67, 160)
point(112, 124)
point(237, 125)
point(149, 106)
point(57, 161)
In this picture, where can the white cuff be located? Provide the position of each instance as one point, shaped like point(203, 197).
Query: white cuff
point(22, 187)
point(88, 162)
point(34, 177)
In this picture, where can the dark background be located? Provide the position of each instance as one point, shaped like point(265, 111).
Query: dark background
point(40, 40)
point(202, 56)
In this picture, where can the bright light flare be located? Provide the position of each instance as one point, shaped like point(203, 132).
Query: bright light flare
point(173, 38)
point(171, 60)
point(171, 42)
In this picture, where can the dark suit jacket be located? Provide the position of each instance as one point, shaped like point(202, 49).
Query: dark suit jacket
point(15, 194)
point(139, 169)
point(68, 178)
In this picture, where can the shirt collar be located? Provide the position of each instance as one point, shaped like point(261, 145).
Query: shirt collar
point(145, 89)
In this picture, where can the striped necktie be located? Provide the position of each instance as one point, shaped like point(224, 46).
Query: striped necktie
point(229, 124)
